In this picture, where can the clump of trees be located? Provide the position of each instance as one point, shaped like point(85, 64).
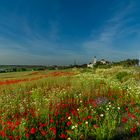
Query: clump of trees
point(127, 62)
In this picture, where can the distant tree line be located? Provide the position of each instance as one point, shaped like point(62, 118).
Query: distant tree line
point(18, 68)
point(128, 62)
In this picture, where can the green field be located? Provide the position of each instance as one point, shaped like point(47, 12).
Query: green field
point(75, 104)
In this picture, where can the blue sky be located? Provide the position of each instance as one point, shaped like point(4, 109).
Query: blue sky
point(61, 31)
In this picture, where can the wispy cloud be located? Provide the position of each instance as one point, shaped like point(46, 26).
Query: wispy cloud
point(25, 39)
point(103, 44)
point(30, 46)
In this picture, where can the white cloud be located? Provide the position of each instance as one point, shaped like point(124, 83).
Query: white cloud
point(104, 43)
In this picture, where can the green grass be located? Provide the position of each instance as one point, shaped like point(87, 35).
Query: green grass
point(93, 104)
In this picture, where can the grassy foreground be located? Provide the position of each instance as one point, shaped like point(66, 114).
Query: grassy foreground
point(79, 104)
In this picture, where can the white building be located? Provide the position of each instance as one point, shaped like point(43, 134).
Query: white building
point(103, 61)
point(91, 65)
point(94, 60)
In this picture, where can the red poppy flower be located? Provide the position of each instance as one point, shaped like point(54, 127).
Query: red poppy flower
point(84, 119)
point(27, 135)
point(89, 117)
point(43, 124)
point(67, 114)
point(124, 119)
point(133, 117)
point(135, 125)
point(51, 120)
point(17, 123)
point(79, 123)
point(53, 130)
point(11, 137)
point(18, 137)
point(3, 134)
point(69, 123)
point(63, 136)
point(127, 109)
point(33, 131)
point(43, 133)
point(133, 129)
point(74, 112)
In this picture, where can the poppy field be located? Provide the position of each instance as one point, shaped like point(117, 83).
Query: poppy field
point(75, 104)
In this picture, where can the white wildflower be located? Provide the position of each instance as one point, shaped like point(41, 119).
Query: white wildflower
point(101, 115)
point(118, 108)
point(76, 126)
point(107, 108)
point(72, 127)
point(69, 117)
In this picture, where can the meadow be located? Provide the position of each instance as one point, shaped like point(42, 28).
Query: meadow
point(74, 104)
